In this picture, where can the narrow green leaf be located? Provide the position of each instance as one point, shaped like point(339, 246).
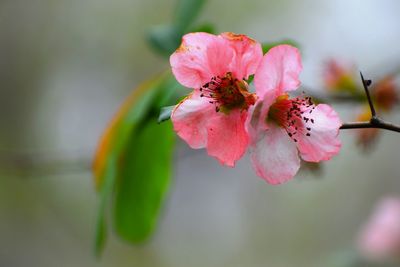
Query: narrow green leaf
point(145, 173)
point(165, 114)
point(186, 12)
point(267, 46)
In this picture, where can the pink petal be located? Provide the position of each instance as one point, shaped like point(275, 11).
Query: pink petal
point(278, 71)
point(196, 121)
point(190, 118)
point(274, 155)
point(227, 138)
point(200, 57)
point(256, 121)
point(323, 142)
point(248, 54)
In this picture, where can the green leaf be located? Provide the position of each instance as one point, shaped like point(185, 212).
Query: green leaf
point(165, 39)
point(145, 173)
point(267, 46)
point(165, 113)
point(127, 139)
point(186, 12)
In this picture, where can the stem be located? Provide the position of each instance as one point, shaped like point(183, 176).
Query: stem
point(375, 121)
point(381, 124)
point(366, 84)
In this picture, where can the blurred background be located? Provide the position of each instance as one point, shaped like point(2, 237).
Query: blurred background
point(65, 68)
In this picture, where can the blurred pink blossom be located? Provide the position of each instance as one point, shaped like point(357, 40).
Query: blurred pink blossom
point(380, 236)
point(339, 76)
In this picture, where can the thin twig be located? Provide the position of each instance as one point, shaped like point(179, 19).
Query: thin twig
point(375, 121)
point(367, 83)
point(369, 124)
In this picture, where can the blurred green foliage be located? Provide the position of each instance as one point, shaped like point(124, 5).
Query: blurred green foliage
point(186, 12)
point(135, 172)
point(165, 39)
point(145, 172)
point(133, 162)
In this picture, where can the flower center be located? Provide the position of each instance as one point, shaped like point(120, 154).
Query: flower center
point(227, 93)
point(294, 115)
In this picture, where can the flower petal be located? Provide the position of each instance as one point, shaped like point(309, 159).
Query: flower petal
point(200, 57)
point(227, 138)
point(196, 121)
point(323, 142)
point(274, 156)
point(256, 121)
point(190, 119)
point(248, 54)
point(278, 71)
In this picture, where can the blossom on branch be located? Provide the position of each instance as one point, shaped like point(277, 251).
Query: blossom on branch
point(339, 76)
point(222, 116)
point(213, 116)
point(283, 129)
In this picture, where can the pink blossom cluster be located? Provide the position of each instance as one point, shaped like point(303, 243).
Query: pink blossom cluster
point(225, 117)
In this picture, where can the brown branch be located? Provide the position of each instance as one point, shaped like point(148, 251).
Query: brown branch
point(375, 121)
point(367, 83)
point(381, 124)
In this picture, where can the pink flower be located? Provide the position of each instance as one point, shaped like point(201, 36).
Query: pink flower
point(380, 237)
point(214, 114)
point(283, 129)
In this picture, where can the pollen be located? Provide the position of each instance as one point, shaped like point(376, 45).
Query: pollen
point(227, 93)
point(294, 115)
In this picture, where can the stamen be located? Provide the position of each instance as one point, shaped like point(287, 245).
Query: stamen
point(227, 92)
point(290, 115)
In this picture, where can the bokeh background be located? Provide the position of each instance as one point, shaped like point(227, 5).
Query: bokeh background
point(67, 65)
